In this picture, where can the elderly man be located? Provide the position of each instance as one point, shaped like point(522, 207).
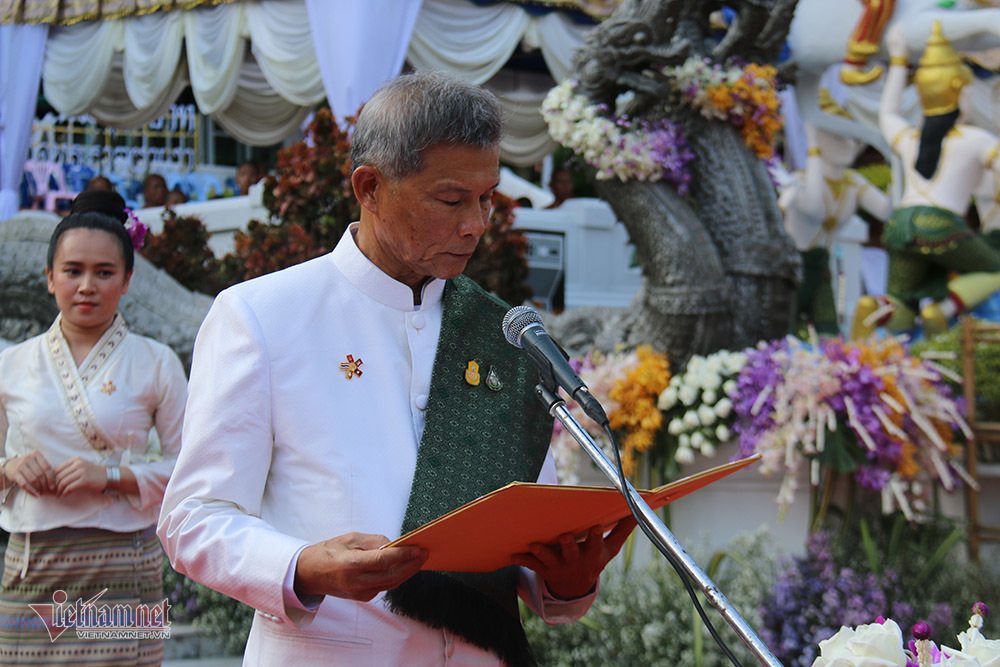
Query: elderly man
point(331, 410)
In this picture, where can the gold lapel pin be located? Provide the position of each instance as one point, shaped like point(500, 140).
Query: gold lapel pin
point(472, 374)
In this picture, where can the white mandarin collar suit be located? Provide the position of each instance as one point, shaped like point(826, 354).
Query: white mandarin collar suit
point(282, 450)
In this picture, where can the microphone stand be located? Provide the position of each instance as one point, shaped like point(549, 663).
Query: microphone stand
point(546, 392)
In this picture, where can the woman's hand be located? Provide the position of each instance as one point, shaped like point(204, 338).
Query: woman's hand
point(32, 473)
point(75, 474)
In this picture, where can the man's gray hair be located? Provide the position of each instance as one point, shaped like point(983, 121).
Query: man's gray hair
point(412, 112)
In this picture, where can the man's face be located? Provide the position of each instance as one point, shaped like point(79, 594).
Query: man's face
point(561, 184)
point(246, 175)
point(154, 191)
point(428, 223)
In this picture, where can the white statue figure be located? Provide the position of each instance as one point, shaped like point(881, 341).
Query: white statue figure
point(927, 238)
point(823, 197)
point(823, 31)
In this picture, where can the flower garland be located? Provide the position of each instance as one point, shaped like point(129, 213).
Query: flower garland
point(617, 146)
point(745, 96)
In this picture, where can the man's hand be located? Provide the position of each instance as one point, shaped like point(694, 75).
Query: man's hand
point(353, 567)
point(32, 473)
point(571, 569)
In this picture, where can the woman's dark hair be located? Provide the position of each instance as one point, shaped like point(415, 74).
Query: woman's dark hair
point(100, 210)
point(933, 133)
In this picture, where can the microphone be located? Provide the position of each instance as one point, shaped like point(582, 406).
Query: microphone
point(522, 327)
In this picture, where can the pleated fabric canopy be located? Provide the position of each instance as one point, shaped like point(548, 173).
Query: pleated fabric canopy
point(259, 66)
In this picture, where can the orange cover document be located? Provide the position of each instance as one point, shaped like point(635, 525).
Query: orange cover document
point(482, 535)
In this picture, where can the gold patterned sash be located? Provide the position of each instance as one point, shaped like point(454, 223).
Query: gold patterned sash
point(73, 380)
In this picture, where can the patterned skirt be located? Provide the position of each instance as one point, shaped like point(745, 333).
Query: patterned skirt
point(43, 616)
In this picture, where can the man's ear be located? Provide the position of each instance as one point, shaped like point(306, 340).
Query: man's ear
point(366, 181)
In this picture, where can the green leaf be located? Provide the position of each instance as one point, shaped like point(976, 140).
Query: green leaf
point(939, 554)
point(842, 452)
point(868, 545)
point(897, 534)
point(713, 565)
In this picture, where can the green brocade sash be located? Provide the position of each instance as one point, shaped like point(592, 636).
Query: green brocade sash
point(925, 229)
point(475, 441)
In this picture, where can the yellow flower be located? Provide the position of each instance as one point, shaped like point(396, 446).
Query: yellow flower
point(637, 412)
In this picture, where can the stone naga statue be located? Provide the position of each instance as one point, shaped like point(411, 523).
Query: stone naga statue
point(719, 271)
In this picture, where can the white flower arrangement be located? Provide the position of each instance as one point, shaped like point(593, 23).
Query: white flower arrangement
point(880, 644)
point(697, 404)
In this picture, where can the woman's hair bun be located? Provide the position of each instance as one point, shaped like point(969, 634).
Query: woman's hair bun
point(108, 202)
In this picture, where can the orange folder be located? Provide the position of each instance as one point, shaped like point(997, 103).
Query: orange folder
point(482, 535)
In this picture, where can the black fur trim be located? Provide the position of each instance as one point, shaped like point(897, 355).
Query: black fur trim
point(441, 600)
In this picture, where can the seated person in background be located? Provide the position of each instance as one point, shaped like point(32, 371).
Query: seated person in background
point(561, 185)
point(100, 183)
point(176, 196)
point(154, 191)
point(248, 174)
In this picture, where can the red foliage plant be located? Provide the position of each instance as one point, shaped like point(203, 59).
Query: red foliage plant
point(311, 202)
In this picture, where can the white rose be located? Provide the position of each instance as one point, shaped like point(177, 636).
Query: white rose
point(977, 647)
point(684, 440)
point(697, 439)
point(872, 645)
point(708, 450)
point(729, 386)
point(722, 433)
point(675, 427)
point(706, 415)
point(684, 455)
point(668, 398)
point(709, 396)
point(687, 394)
point(723, 408)
point(691, 420)
point(956, 658)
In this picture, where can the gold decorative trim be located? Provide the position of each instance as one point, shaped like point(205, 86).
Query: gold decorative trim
point(69, 12)
point(74, 381)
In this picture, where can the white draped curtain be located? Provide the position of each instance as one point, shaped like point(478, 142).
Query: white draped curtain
point(258, 66)
point(476, 41)
point(359, 45)
point(21, 51)
point(127, 71)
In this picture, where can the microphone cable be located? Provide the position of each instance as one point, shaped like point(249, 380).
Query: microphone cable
point(662, 548)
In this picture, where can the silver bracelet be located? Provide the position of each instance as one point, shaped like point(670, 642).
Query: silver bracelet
point(114, 483)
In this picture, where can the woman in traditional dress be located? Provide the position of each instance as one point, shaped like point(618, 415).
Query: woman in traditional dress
point(81, 480)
